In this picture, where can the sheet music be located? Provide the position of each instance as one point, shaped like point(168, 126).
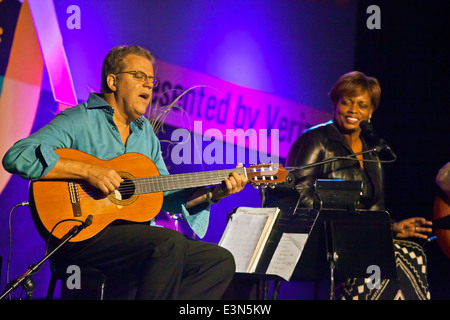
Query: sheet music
point(246, 234)
point(287, 254)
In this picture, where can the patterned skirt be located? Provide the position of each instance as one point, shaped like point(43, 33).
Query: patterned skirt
point(411, 282)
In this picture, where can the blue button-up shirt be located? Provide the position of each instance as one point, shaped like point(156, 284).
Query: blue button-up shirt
point(89, 127)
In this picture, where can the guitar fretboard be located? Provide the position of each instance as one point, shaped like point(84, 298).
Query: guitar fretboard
point(182, 181)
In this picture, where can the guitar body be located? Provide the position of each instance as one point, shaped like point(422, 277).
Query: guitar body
point(54, 201)
point(441, 211)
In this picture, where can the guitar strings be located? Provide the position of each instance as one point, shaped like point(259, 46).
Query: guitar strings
point(163, 183)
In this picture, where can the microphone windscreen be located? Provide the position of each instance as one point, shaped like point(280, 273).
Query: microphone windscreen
point(89, 220)
point(369, 133)
point(365, 125)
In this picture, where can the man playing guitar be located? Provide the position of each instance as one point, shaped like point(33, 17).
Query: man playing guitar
point(107, 126)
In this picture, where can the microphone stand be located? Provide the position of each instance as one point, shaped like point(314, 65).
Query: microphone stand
point(348, 157)
point(25, 280)
point(290, 180)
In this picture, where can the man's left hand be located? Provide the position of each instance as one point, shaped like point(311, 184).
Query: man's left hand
point(231, 185)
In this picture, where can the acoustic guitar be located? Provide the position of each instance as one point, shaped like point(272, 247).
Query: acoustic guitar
point(441, 222)
point(138, 199)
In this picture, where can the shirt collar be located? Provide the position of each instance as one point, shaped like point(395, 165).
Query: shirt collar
point(96, 101)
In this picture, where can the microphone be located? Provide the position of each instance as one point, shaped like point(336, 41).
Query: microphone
point(372, 137)
point(88, 221)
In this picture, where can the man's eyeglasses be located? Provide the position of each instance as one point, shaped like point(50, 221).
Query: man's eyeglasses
point(142, 77)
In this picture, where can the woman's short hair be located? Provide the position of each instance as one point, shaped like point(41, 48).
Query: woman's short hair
point(112, 63)
point(354, 83)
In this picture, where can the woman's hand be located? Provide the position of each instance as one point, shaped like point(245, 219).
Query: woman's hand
point(413, 227)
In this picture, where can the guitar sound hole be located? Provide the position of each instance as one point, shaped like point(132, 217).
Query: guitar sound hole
point(126, 190)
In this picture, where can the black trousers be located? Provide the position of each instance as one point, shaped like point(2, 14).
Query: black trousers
point(169, 265)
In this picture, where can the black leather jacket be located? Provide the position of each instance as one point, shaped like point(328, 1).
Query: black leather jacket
point(322, 142)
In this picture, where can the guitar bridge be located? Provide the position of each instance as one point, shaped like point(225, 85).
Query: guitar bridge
point(74, 199)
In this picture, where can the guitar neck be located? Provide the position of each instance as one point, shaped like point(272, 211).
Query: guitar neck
point(182, 181)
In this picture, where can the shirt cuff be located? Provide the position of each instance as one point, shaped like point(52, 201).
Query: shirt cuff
point(197, 217)
point(49, 157)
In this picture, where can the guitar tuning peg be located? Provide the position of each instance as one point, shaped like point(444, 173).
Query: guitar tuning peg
point(255, 186)
point(272, 186)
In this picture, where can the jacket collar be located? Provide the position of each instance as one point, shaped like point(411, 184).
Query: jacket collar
point(333, 132)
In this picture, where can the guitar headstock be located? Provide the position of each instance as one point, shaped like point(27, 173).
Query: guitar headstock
point(263, 175)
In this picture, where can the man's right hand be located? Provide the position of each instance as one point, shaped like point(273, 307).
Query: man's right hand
point(107, 180)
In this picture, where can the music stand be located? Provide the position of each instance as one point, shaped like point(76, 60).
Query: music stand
point(343, 245)
point(342, 240)
point(337, 194)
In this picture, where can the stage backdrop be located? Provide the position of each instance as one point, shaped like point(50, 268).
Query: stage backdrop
point(257, 68)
